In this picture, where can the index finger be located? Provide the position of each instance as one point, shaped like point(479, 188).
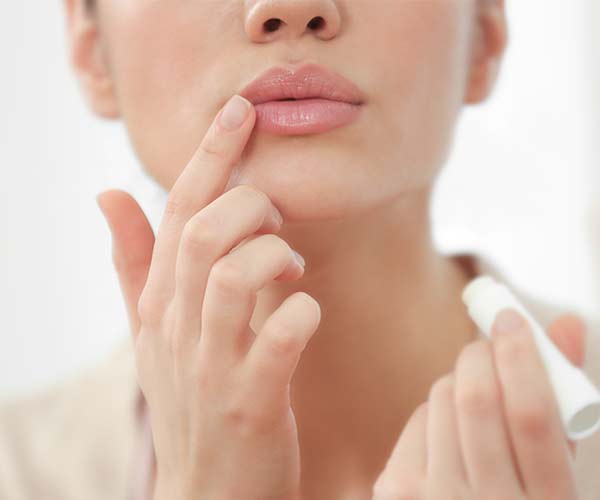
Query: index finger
point(202, 181)
point(531, 410)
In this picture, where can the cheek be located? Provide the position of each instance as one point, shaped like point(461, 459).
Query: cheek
point(164, 60)
point(418, 60)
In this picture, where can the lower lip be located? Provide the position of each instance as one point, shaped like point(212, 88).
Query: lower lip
point(304, 116)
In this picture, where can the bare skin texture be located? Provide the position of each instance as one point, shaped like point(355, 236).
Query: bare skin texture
point(358, 376)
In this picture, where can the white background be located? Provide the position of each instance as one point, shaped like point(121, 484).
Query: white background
point(521, 177)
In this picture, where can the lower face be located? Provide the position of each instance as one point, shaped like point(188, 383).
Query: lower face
point(175, 64)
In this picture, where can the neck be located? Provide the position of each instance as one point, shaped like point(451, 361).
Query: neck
point(392, 322)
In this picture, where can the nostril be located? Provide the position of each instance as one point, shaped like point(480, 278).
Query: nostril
point(272, 24)
point(316, 22)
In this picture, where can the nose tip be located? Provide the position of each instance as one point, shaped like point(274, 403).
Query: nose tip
point(268, 20)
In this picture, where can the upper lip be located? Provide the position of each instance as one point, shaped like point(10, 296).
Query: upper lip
point(308, 81)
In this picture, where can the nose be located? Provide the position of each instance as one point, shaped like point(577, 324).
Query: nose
point(268, 20)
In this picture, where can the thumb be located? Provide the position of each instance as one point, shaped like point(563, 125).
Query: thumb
point(568, 334)
point(132, 246)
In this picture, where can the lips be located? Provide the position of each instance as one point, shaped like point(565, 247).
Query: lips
point(312, 99)
point(309, 81)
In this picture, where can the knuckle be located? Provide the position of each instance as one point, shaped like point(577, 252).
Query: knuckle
point(256, 198)
point(244, 420)
point(149, 309)
point(532, 420)
point(201, 235)
point(284, 343)
point(513, 349)
point(236, 416)
point(476, 396)
point(175, 205)
point(227, 278)
point(254, 194)
point(213, 148)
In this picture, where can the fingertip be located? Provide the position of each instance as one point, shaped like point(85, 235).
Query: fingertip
point(569, 333)
point(100, 206)
point(508, 321)
point(101, 201)
point(577, 335)
point(235, 113)
point(421, 410)
point(573, 323)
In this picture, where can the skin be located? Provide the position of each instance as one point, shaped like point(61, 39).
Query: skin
point(355, 204)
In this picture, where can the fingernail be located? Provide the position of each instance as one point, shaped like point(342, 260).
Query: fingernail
point(235, 112)
point(277, 215)
point(509, 321)
point(299, 259)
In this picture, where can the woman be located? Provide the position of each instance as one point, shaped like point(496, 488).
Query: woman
point(352, 371)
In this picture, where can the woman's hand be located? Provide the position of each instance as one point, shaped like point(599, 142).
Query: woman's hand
point(218, 393)
point(491, 429)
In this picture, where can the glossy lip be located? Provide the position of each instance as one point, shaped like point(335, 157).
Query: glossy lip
point(321, 100)
point(308, 81)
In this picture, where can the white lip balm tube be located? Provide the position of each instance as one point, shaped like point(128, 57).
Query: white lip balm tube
point(578, 399)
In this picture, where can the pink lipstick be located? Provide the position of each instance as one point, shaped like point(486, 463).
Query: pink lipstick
point(310, 100)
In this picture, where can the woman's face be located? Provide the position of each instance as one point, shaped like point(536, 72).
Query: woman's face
point(174, 63)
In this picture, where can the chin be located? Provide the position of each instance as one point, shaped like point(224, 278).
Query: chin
point(309, 187)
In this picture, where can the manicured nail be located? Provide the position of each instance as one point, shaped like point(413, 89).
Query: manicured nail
point(277, 215)
point(299, 259)
point(509, 321)
point(235, 112)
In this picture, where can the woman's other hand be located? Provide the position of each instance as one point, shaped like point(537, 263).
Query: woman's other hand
point(491, 429)
point(217, 392)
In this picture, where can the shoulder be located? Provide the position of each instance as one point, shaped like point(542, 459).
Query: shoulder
point(75, 438)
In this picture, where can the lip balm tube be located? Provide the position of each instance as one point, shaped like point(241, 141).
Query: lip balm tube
point(578, 400)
